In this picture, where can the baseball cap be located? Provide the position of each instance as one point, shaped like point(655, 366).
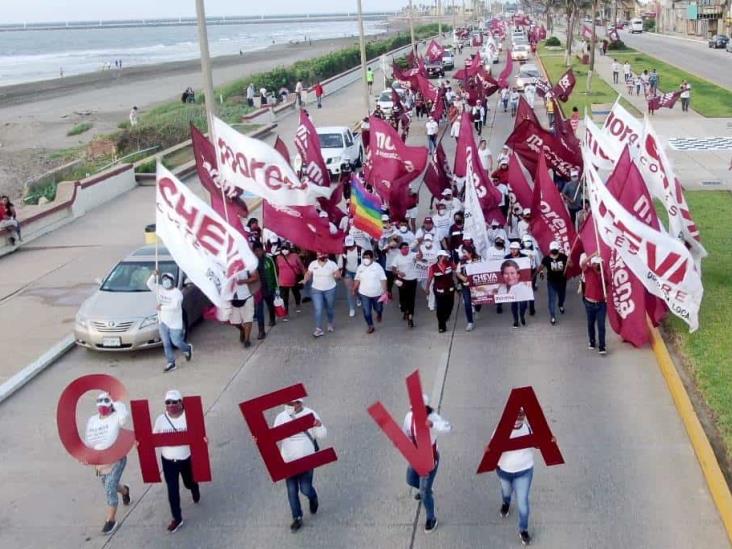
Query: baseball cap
point(429, 237)
point(515, 246)
point(427, 219)
point(494, 223)
point(527, 211)
point(323, 214)
point(349, 241)
point(554, 245)
point(596, 260)
point(173, 394)
point(447, 192)
point(443, 253)
point(384, 217)
point(527, 238)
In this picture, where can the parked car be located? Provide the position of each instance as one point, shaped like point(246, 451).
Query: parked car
point(434, 69)
point(636, 25)
point(342, 149)
point(729, 46)
point(718, 41)
point(384, 101)
point(448, 60)
point(528, 74)
point(121, 315)
point(520, 53)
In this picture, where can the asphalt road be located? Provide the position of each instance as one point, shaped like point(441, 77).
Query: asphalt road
point(694, 57)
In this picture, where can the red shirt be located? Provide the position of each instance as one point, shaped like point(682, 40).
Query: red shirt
point(318, 90)
point(442, 277)
point(593, 285)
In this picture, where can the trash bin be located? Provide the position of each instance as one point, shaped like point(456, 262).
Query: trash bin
point(151, 237)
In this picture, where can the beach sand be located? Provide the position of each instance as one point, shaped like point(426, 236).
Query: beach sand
point(35, 117)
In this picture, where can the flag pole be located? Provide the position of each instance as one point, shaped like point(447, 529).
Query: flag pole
point(362, 45)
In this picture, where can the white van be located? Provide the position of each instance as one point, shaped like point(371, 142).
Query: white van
point(636, 25)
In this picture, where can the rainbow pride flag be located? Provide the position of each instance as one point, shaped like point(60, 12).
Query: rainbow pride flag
point(366, 209)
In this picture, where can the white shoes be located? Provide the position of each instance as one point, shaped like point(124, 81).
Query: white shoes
point(469, 327)
point(352, 313)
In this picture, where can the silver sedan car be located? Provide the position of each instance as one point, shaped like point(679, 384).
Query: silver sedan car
point(121, 315)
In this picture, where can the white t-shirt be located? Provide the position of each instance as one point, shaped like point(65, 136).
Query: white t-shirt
point(442, 224)
point(516, 461)
point(323, 275)
point(369, 278)
point(299, 445)
point(163, 425)
point(429, 258)
point(485, 157)
point(242, 291)
point(171, 304)
point(405, 264)
point(102, 432)
point(431, 127)
point(350, 259)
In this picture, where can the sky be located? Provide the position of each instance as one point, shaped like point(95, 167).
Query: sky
point(17, 11)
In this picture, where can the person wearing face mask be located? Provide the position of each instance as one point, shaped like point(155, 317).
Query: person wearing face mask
point(524, 225)
point(348, 263)
point(291, 273)
point(102, 430)
point(442, 277)
point(555, 265)
point(405, 234)
point(255, 231)
point(496, 231)
point(324, 273)
point(455, 236)
point(170, 317)
point(267, 273)
point(369, 284)
point(495, 252)
point(295, 447)
point(437, 425)
point(530, 249)
point(515, 471)
point(593, 295)
point(176, 460)
point(428, 227)
point(572, 194)
point(468, 256)
point(242, 305)
point(442, 221)
point(521, 292)
point(426, 256)
point(406, 279)
point(389, 253)
point(452, 203)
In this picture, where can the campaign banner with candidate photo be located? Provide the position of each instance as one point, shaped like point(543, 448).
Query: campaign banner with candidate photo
point(500, 280)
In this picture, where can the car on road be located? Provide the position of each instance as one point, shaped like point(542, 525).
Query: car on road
point(729, 46)
point(520, 53)
point(636, 25)
point(718, 41)
point(528, 74)
point(434, 69)
point(342, 149)
point(121, 314)
point(448, 60)
point(384, 101)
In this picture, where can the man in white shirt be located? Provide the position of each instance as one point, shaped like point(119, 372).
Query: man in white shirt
point(442, 221)
point(452, 203)
point(437, 425)
point(170, 317)
point(515, 471)
point(102, 430)
point(370, 285)
point(485, 156)
point(298, 93)
point(405, 271)
point(176, 459)
point(616, 70)
point(503, 156)
point(298, 446)
point(496, 231)
point(428, 227)
point(404, 233)
point(524, 226)
point(432, 128)
point(242, 306)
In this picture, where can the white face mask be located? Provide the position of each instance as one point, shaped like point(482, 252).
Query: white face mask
point(428, 245)
point(402, 229)
point(285, 252)
point(366, 261)
point(290, 410)
point(167, 284)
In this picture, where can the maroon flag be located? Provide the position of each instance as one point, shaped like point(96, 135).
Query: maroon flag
point(564, 86)
point(281, 148)
point(542, 33)
point(586, 32)
point(234, 209)
point(438, 107)
point(507, 70)
point(429, 92)
point(391, 165)
point(542, 87)
point(438, 175)
point(434, 51)
point(530, 141)
point(477, 40)
point(396, 101)
point(613, 35)
point(302, 226)
point(490, 197)
point(488, 83)
point(471, 69)
point(518, 183)
point(307, 143)
point(525, 112)
point(667, 100)
point(550, 221)
point(567, 136)
point(412, 58)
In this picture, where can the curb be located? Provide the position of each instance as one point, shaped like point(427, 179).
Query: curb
point(36, 367)
point(674, 37)
point(698, 438)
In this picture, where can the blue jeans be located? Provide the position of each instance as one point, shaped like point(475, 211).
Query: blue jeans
point(172, 338)
point(519, 307)
point(424, 485)
point(596, 313)
point(349, 295)
point(369, 303)
point(300, 483)
point(521, 483)
point(322, 299)
point(468, 304)
point(111, 480)
point(556, 294)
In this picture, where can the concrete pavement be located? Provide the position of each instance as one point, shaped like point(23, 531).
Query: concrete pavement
point(630, 477)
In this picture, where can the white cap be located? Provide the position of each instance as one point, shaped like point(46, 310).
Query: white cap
point(429, 237)
point(574, 172)
point(384, 217)
point(443, 253)
point(323, 214)
point(349, 241)
point(527, 238)
point(596, 260)
point(527, 211)
point(554, 245)
point(494, 222)
point(514, 246)
point(104, 394)
point(447, 192)
point(173, 394)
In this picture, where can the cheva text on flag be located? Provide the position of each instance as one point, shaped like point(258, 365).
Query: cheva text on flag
point(661, 262)
point(209, 250)
point(254, 166)
point(366, 209)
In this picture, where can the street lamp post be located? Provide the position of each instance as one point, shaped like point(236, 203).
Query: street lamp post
point(439, 17)
point(411, 28)
point(208, 89)
point(362, 44)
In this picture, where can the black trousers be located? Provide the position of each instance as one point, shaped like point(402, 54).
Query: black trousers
point(285, 295)
point(389, 281)
point(171, 470)
point(443, 305)
point(407, 296)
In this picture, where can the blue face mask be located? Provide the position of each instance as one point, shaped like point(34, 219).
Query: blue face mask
point(167, 283)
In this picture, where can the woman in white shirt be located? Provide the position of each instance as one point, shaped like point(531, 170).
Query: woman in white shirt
point(370, 284)
point(323, 272)
point(102, 430)
point(348, 262)
point(515, 471)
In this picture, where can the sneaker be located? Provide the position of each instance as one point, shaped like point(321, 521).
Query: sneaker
point(314, 506)
point(469, 327)
point(418, 496)
point(523, 321)
point(261, 335)
point(352, 312)
point(504, 510)
point(126, 495)
point(286, 319)
point(169, 368)
point(272, 323)
point(318, 332)
point(591, 346)
point(430, 525)
point(370, 330)
point(196, 493)
point(410, 323)
point(499, 310)
point(553, 321)
point(306, 300)
point(174, 525)
point(189, 354)
point(602, 351)
point(515, 324)
point(296, 525)
point(109, 527)
point(561, 310)
point(525, 537)
point(247, 344)
point(298, 310)
point(441, 330)
point(331, 328)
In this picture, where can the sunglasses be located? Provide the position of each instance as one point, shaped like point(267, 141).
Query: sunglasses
point(104, 400)
point(171, 402)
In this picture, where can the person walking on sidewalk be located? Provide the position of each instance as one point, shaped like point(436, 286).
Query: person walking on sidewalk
point(549, 105)
point(437, 425)
point(369, 285)
point(515, 472)
point(370, 78)
point(298, 446)
point(267, 273)
point(323, 273)
point(319, 94)
point(176, 460)
point(442, 277)
point(555, 265)
point(299, 88)
point(593, 295)
point(626, 70)
point(505, 94)
point(432, 128)
point(405, 273)
point(242, 305)
point(653, 81)
point(685, 96)
point(291, 273)
point(616, 70)
point(102, 430)
point(170, 317)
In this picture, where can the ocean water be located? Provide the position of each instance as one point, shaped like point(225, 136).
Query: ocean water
point(28, 56)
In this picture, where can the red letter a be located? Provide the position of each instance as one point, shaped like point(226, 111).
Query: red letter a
point(541, 436)
point(420, 457)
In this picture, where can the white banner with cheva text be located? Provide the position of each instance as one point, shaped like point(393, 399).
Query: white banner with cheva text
point(209, 250)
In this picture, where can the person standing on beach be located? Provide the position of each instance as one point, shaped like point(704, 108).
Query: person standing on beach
point(319, 93)
point(250, 94)
point(133, 116)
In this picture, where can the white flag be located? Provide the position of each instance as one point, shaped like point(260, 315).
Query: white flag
point(209, 250)
point(255, 167)
point(621, 128)
point(661, 262)
point(474, 218)
point(600, 150)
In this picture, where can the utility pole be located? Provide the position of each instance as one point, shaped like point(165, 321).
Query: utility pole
point(411, 28)
point(439, 17)
point(208, 89)
point(454, 17)
point(592, 48)
point(362, 43)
